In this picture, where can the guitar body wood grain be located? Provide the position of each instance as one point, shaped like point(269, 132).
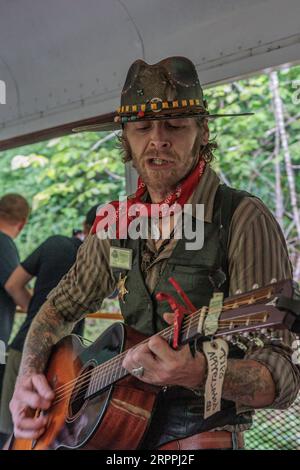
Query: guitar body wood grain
point(116, 418)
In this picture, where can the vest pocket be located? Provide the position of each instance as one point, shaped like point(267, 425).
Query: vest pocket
point(191, 277)
point(191, 269)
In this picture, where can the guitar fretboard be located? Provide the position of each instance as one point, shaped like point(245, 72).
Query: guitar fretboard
point(110, 372)
point(106, 374)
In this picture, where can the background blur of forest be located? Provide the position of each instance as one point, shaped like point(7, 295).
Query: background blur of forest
point(64, 177)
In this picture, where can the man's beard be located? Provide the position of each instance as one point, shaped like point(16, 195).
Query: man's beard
point(160, 182)
point(156, 178)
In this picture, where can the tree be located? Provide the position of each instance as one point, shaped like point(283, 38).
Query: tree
point(62, 178)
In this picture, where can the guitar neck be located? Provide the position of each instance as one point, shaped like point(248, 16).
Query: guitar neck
point(111, 371)
point(249, 312)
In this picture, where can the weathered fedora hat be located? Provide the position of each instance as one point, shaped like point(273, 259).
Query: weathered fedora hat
point(169, 89)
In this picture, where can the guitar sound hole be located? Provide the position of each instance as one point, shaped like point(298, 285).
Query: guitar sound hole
point(77, 400)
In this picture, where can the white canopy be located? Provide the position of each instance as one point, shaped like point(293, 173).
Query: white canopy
point(62, 61)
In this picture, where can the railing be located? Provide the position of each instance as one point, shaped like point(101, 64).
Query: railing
point(100, 315)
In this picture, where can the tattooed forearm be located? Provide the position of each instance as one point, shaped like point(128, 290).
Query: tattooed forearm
point(47, 328)
point(249, 383)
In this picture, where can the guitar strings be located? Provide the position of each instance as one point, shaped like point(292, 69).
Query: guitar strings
point(115, 362)
point(114, 367)
point(187, 323)
point(229, 306)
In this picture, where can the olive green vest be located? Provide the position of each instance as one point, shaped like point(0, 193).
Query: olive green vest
point(200, 273)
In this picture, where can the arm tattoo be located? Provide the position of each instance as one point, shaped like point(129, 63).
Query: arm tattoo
point(47, 328)
point(247, 382)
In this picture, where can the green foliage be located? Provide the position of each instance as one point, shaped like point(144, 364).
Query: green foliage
point(62, 178)
point(246, 154)
point(246, 143)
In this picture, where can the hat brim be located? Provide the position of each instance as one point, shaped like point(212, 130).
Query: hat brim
point(114, 126)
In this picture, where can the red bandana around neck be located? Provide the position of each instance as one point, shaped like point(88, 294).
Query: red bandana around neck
point(116, 212)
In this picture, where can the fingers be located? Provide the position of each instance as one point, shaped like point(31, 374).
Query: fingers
point(169, 318)
point(33, 424)
point(25, 427)
point(148, 354)
point(160, 348)
point(34, 391)
point(42, 387)
point(155, 357)
point(22, 434)
point(33, 400)
point(31, 393)
point(137, 357)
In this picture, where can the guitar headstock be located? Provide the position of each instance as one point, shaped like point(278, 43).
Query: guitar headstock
point(253, 316)
point(248, 317)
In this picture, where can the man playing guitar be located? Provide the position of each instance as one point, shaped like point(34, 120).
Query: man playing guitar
point(164, 121)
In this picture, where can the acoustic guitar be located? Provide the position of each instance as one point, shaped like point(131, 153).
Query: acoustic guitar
point(99, 405)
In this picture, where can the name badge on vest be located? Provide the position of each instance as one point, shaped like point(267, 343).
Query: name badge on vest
point(120, 258)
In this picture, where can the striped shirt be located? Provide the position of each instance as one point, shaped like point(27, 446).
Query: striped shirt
point(257, 254)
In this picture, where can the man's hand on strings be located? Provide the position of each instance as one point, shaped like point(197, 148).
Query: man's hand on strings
point(31, 393)
point(159, 364)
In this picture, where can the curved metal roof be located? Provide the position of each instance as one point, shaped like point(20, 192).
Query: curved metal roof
point(64, 61)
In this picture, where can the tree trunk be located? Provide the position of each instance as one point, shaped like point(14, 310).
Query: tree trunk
point(279, 119)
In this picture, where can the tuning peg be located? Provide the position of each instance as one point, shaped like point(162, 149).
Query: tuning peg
point(246, 334)
point(241, 346)
point(270, 335)
point(258, 342)
point(233, 339)
point(275, 338)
